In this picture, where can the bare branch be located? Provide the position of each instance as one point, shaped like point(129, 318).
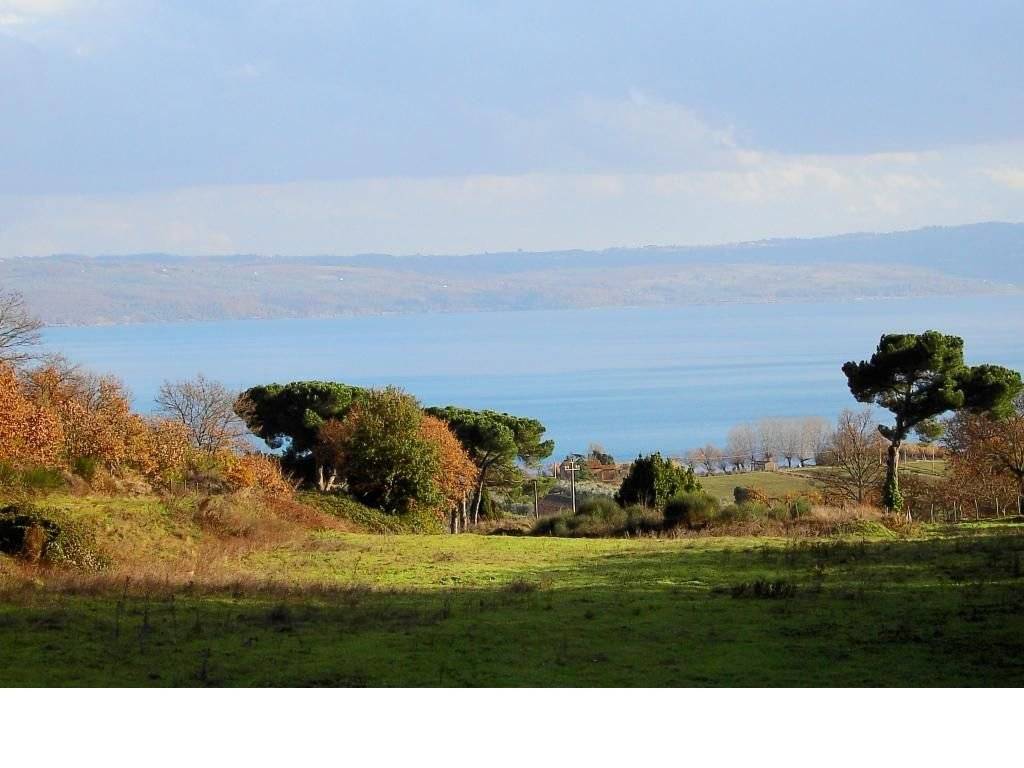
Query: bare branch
point(854, 467)
point(19, 329)
point(207, 410)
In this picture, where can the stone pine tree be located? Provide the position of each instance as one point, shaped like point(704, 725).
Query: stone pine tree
point(496, 442)
point(918, 377)
point(290, 416)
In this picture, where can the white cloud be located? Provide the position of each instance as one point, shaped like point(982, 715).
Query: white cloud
point(1010, 177)
point(667, 133)
point(633, 171)
point(18, 12)
point(777, 196)
point(637, 133)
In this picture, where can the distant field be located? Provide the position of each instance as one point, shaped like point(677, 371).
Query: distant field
point(772, 483)
point(944, 606)
point(794, 481)
point(933, 468)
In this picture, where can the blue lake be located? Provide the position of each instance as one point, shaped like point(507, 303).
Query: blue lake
point(635, 380)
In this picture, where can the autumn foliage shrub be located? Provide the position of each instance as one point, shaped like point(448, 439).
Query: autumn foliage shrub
point(744, 495)
point(57, 417)
point(257, 471)
point(986, 462)
point(29, 434)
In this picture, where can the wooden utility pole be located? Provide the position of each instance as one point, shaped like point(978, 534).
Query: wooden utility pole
point(572, 469)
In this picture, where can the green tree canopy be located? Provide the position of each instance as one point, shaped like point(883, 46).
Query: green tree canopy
point(291, 414)
point(918, 377)
point(653, 480)
point(496, 441)
point(387, 461)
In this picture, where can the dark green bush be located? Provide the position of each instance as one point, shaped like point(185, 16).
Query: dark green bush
point(489, 508)
point(9, 476)
point(598, 506)
point(32, 479)
point(85, 467)
point(653, 480)
point(373, 520)
point(41, 479)
point(694, 510)
point(799, 508)
point(600, 518)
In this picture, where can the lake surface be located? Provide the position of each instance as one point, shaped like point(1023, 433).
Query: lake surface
point(635, 380)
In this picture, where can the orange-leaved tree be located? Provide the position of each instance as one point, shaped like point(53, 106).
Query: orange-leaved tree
point(29, 434)
point(97, 422)
point(456, 473)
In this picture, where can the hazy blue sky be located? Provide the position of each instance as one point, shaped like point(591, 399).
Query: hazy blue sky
point(303, 127)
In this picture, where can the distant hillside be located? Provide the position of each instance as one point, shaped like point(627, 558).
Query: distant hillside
point(981, 258)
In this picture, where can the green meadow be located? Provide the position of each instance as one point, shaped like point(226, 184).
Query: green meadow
point(925, 606)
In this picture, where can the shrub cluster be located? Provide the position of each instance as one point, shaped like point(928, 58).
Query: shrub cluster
point(694, 510)
point(35, 536)
point(373, 520)
point(63, 427)
point(653, 480)
point(688, 511)
point(59, 418)
point(258, 471)
point(600, 517)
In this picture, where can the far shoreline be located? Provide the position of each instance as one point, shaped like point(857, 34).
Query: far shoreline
point(809, 300)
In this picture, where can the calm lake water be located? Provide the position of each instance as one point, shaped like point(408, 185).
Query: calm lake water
point(634, 380)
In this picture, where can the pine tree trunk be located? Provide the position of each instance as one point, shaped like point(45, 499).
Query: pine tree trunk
point(892, 498)
point(479, 497)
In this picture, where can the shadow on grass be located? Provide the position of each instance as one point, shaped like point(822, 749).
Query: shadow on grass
point(935, 612)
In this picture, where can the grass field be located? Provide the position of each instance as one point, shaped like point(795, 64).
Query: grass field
point(795, 481)
point(775, 484)
point(942, 606)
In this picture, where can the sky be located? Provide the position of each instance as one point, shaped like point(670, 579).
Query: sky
point(292, 127)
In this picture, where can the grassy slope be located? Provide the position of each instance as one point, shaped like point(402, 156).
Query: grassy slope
point(772, 483)
point(944, 608)
point(795, 481)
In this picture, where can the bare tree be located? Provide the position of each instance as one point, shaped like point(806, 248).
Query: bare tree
point(206, 408)
point(19, 329)
point(742, 445)
point(854, 471)
point(769, 432)
point(814, 434)
point(789, 436)
point(723, 462)
point(708, 457)
point(56, 379)
point(983, 446)
point(692, 459)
